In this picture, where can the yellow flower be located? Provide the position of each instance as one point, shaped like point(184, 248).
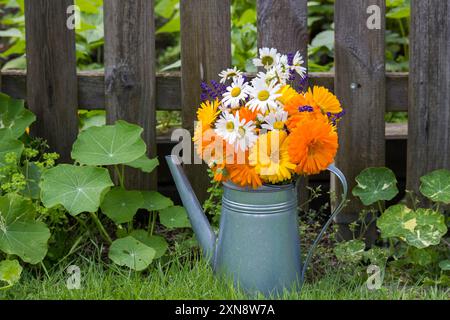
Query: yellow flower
point(324, 99)
point(270, 157)
point(287, 93)
point(208, 112)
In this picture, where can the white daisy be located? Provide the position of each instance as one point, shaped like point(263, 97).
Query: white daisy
point(236, 92)
point(263, 96)
point(236, 132)
point(297, 65)
point(267, 58)
point(275, 120)
point(278, 72)
point(229, 74)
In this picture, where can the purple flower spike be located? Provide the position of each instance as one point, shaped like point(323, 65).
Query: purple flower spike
point(306, 109)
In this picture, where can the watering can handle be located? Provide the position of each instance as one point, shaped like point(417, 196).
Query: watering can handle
point(332, 168)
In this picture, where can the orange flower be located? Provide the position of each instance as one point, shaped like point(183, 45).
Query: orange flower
point(313, 146)
point(296, 101)
point(244, 175)
point(247, 114)
point(300, 117)
point(321, 97)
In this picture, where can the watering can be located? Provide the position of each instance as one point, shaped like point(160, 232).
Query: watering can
point(258, 245)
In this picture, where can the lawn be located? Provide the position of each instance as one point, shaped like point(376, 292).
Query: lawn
point(190, 278)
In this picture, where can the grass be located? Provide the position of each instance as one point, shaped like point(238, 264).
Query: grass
point(181, 278)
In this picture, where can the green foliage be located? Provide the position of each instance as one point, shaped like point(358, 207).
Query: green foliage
point(415, 237)
point(350, 251)
point(436, 186)
point(109, 145)
point(174, 217)
point(131, 253)
point(10, 271)
point(420, 228)
point(42, 204)
point(20, 233)
point(121, 205)
point(375, 184)
point(77, 188)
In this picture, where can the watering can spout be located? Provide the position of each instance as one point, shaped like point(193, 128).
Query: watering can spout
point(203, 231)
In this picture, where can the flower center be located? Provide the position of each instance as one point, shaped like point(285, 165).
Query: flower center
point(263, 95)
point(236, 91)
point(267, 60)
point(231, 75)
point(230, 126)
point(279, 125)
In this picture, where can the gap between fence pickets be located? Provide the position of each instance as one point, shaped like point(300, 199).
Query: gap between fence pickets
point(168, 95)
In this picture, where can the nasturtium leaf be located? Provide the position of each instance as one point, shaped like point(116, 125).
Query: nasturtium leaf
point(131, 253)
point(108, 145)
point(32, 175)
point(445, 265)
point(143, 163)
point(10, 146)
point(436, 186)
point(76, 188)
point(154, 201)
point(121, 205)
point(174, 217)
point(377, 256)
point(421, 257)
point(10, 271)
point(350, 251)
point(375, 184)
point(158, 243)
point(20, 234)
point(14, 118)
point(421, 228)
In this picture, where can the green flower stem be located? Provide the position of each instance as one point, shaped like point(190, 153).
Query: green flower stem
point(151, 223)
point(100, 227)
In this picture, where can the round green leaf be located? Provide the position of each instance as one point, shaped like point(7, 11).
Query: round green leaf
point(145, 164)
point(158, 243)
point(421, 257)
point(78, 189)
point(121, 205)
point(131, 253)
point(375, 184)
point(350, 251)
point(436, 186)
point(174, 217)
point(108, 145)
point(10, 271)
point(20, 234)
point(421, 228)
point(154, 201)
point(14, 118)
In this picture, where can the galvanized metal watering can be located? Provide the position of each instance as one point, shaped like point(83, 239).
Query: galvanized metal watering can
point(258, 243)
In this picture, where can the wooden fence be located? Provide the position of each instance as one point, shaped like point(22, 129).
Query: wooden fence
point(130, 88)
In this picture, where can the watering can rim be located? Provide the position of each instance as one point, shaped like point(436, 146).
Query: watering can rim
point(263, 188)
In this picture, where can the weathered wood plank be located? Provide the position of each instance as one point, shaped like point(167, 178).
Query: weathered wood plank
point(360, 86)
point(429, 97)
point(130, 73)
point(283, 25)
point(91, 93)
point(205, 51)
point(51, 78)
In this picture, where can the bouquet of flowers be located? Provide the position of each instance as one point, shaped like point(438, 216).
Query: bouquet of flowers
point(267, 130)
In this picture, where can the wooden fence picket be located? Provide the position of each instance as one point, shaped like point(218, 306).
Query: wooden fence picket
point(360, 86)
point(205, 51)
point(130, 73)
point(51, 73)
point(429, 87)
